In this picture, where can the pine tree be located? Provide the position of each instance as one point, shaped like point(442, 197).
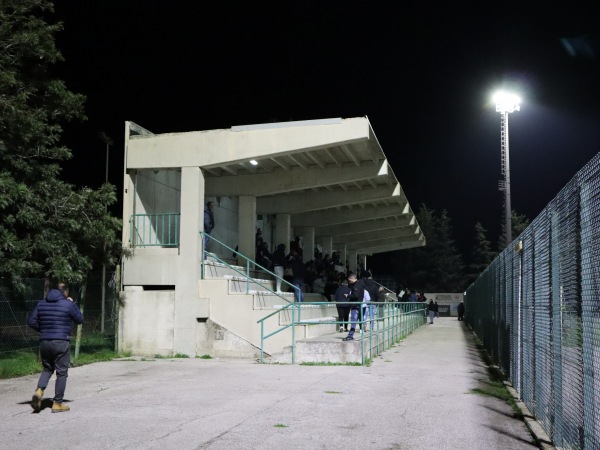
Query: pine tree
point(482, 254)
point(47, 226)
point(438, 266)
point(518, 222)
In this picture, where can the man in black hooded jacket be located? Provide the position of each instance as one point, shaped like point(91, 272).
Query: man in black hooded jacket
point(52, 318)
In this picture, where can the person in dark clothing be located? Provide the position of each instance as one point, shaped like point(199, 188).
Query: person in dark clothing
point(431, 311)
point(460, 310)
point(279, 265)
point(373, 289)
point(52, 318)
point(342, 305)
point(357, 293)
point(209, 224)
point(298, 274)
point(330, 287)
point(263, 256)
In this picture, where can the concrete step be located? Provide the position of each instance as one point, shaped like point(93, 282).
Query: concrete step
point(327, 348)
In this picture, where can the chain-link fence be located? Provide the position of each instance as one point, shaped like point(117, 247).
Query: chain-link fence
point(536, 309)
point(17, 301)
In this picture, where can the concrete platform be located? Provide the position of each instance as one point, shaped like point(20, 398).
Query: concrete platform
point(417, 395)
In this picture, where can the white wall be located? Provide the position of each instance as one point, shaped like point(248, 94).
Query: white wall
point(226, 223)
point(146, 322)
point(157, 191)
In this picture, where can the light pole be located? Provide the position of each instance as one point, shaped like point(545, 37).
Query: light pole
point(108, 141)
point(506, 103)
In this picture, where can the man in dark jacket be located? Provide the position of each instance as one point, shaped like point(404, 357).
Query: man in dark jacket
point(298, 274)
point(342, 305)
point(52, 318)
point(357, 293)
point(460, 310)
point(209, 224)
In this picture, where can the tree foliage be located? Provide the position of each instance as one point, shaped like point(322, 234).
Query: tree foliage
point(47, 226)
point(518, 224)
point(438, 266)
point(482, 254)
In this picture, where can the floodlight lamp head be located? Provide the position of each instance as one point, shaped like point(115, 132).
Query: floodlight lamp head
point(506, 102)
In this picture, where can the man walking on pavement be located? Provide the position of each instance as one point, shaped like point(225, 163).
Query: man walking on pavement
point(52, 318)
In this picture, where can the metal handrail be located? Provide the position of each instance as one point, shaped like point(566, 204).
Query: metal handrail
point(245, 275)
point(393, 331)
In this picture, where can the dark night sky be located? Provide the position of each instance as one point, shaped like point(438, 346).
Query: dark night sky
point(422, 73)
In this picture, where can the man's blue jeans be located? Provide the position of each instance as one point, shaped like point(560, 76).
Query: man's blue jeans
point(206, 241)
point(298, 294)
point(369, 314)
point(353, 319)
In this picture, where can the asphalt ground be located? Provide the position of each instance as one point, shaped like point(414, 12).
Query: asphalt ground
point(416, 395)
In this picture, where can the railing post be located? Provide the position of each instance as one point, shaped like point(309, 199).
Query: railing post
point(262, 341)
point(294, 335)
point(247, 276)
point(202, 256)
point(362, 335)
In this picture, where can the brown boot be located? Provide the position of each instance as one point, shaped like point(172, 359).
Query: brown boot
point(59, 407)
point(36, 400)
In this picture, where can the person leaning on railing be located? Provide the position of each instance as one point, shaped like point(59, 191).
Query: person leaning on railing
point(209, 224)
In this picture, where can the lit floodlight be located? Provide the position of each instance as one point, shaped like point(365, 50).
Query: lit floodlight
point(506, 102)
point(253, 162)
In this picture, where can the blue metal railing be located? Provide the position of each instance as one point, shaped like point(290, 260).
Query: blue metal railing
point(394, 321)
point(248, 264)
point(154, 230)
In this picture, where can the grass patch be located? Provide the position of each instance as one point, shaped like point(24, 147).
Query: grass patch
point(495, 386)
point(88, 358)
point(18, 364)
point(94, 347)
point(280, 425)
point(332, 392)
point(204, 357)
point(180, 355)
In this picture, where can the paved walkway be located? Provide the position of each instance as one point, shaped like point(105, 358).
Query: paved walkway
point(415, 396)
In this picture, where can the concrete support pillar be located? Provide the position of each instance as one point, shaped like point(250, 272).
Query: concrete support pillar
point(188, 262)
point(352, 262)
point(308, 242)
point(282, 231)
point(327, 244)
point(363, 260)
point(247, 226)
point(343, 254)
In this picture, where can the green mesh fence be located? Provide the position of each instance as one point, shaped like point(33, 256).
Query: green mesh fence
point(16, 301)
point(536, 309)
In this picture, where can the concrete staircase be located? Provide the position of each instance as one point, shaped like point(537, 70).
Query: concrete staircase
point(230, 327)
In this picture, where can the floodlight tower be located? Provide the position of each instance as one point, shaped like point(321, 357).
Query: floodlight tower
point(506, 103)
